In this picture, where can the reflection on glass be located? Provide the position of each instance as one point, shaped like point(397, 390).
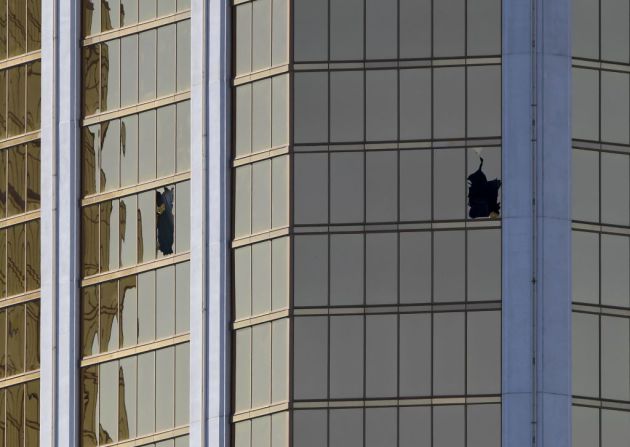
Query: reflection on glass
point(16, 100)
point(109, 316)
point(89, 405)
point(15, 340)
point(16, 180)
point(15, 260)
point(89, 321)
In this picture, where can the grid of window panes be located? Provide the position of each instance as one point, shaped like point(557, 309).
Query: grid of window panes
point(135, 223)
point(351, 209)
point(20, 117)
point(601, 221)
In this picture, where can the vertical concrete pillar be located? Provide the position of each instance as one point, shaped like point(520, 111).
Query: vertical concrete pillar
point(536, 223)
point(210, 313)
point(60, 223)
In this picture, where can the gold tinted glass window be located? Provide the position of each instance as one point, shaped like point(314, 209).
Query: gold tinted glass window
point(135, 219)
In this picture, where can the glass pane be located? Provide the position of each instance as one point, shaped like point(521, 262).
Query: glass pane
point(17, 180)
point(346, 187)
point(110, 156)
point(415, 185)
point(90, 240)
point(586, 31)
point(346, 269)
point(415, 355)
point(15, 260)
point(415, 267)
point(166, 62)
point(585, 355)
point(3, 358)
point(32, 176)
point(615, 428)
point(615, 32)
point(346, 107)
point(129, 70)
point(166, 117)
point(34, 28)
point(381, 427)
point(280, 30)
point(32, 336)
point(484, 265)
point(261, 365)
point(261, 196)
point(346, 30)
point(449, 353)
point(381, 186)
point(3, 102)
point(346, 428)
point(110, 74)
point(128, 12)
point(17, 27)
point(280, 273)
point(415, 103)
point(3, 37)
point(585, 427)
point(615, 185)
point(261, 278)
point(381, 103)
point(165, 7)
point(415, 29)
point(483, 353)
point(110, 14)
point(615, 108)
point(381, 358)
point(346, 357)
point(381, 269)
point(449, 20)
point(146, 226)
point(182, 297)
point(448, 100)
point(484, 27)
point(108, 404)
point(261, 115)
point(280, 361)
point(183, 136)
point(310, 428)
point(15, 340)
point(90, 151)
point(243, 46)
point(449, 184)
point(109, 316)
point(242, 202)
point(15, 415)
point(127, 418)
point(109, 235)
point(310, 275)
point(484, 101)
point(449, 266)
point(32, 414)
point(89, 320)
point(483, 426)
point(310, 187)
point(34, 96)
point(183, 55)
point(165, 388)
point(381, 23)
point(128, 238)
point(90, 77)
point(310, 114)
point(147, 64)
point(3, 263)
point(615, 358)
point(243, 369)
point(146, 307)
point(585, 102)
point(310, 357)
point(615, 264)
point(261, 29)
point(585, 185)
point(280, 111)
point(146, 393)
point(414, 426)
point(128, 311)
point(310, 29)
point(89, 405)
point(585, 251)
point(449, 429)
point(147, 9)
point(261, 432)
point(242, 282)
point(182, 387)
point(129, 150)
point(147, 150)
point(165, 302)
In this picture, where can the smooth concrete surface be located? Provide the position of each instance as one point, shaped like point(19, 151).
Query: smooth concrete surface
point(60, 229)
point(210, 230)
point(536, 224)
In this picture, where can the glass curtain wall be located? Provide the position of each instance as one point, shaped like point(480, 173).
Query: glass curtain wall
point(367, 292)
point(135, 223)
point(601, 223)
point(20, 108)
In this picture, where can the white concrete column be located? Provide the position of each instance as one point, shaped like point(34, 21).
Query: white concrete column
point(209, 347)
point(536, 224)
point(60, 223)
